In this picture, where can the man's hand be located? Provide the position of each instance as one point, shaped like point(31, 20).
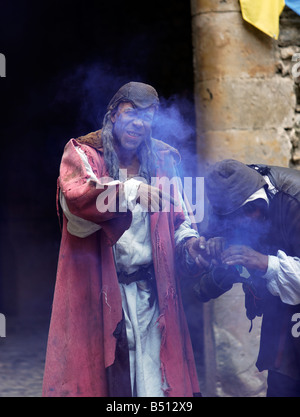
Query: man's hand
point(197, 250)
point(215, 248)
point(153, 199)
point(245, 256)
point(206, 252)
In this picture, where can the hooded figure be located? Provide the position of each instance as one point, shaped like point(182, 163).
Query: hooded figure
point(256, 210)
point(118, 326)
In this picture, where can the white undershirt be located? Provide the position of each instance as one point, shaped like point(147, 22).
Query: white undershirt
point(283, 273)
point(283, 276)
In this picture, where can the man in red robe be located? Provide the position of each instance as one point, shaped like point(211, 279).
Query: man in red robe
point(118, 327)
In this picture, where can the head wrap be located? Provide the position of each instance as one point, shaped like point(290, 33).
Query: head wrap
point(139, 94)
point(229, 184)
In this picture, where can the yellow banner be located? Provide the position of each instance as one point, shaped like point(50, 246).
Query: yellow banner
point(263, 14)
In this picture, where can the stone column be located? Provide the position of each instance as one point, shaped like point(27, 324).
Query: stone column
point(244, 109)
point(243, 106)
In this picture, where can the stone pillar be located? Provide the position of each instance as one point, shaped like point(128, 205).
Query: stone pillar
point(243, 106)
point(243, 109)
point(288, 52)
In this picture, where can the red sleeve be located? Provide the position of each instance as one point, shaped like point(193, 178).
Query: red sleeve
point(84, 197)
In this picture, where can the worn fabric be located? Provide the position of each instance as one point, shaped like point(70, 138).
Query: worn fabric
point(87, 305)
point(141, 95)
point(144, 340)
point(260, 194)
point(215, 283)
point(263, 14)
point(279, 350)
point(131, 251)
point(282, 386)
point(283, 273)
point(283, 277)
point(282, 179)
point(229, 183)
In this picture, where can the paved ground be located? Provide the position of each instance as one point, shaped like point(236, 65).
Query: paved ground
point(22, 357)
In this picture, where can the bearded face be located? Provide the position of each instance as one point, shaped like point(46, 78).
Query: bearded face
point(132, 126)
point(127, 127)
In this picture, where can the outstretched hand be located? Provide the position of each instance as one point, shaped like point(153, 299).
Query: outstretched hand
point(206, 252)
point(212, 252)
point(245, 256)
point(197, 250)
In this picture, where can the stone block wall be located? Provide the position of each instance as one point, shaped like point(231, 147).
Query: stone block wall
point(245, 108)
point(288, 67)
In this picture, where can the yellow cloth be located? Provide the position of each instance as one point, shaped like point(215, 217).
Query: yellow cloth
point(263, 14)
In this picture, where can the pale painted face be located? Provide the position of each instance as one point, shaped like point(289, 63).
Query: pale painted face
point(132, 126)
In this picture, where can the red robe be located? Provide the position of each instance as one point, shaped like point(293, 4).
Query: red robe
point(87, 305)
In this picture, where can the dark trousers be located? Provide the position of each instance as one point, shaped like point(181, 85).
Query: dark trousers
point(280, 385)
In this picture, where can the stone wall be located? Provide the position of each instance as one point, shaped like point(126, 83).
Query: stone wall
point(247, 108)
point(288, 67)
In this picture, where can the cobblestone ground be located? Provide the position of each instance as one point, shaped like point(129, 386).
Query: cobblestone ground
point(22, 357)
